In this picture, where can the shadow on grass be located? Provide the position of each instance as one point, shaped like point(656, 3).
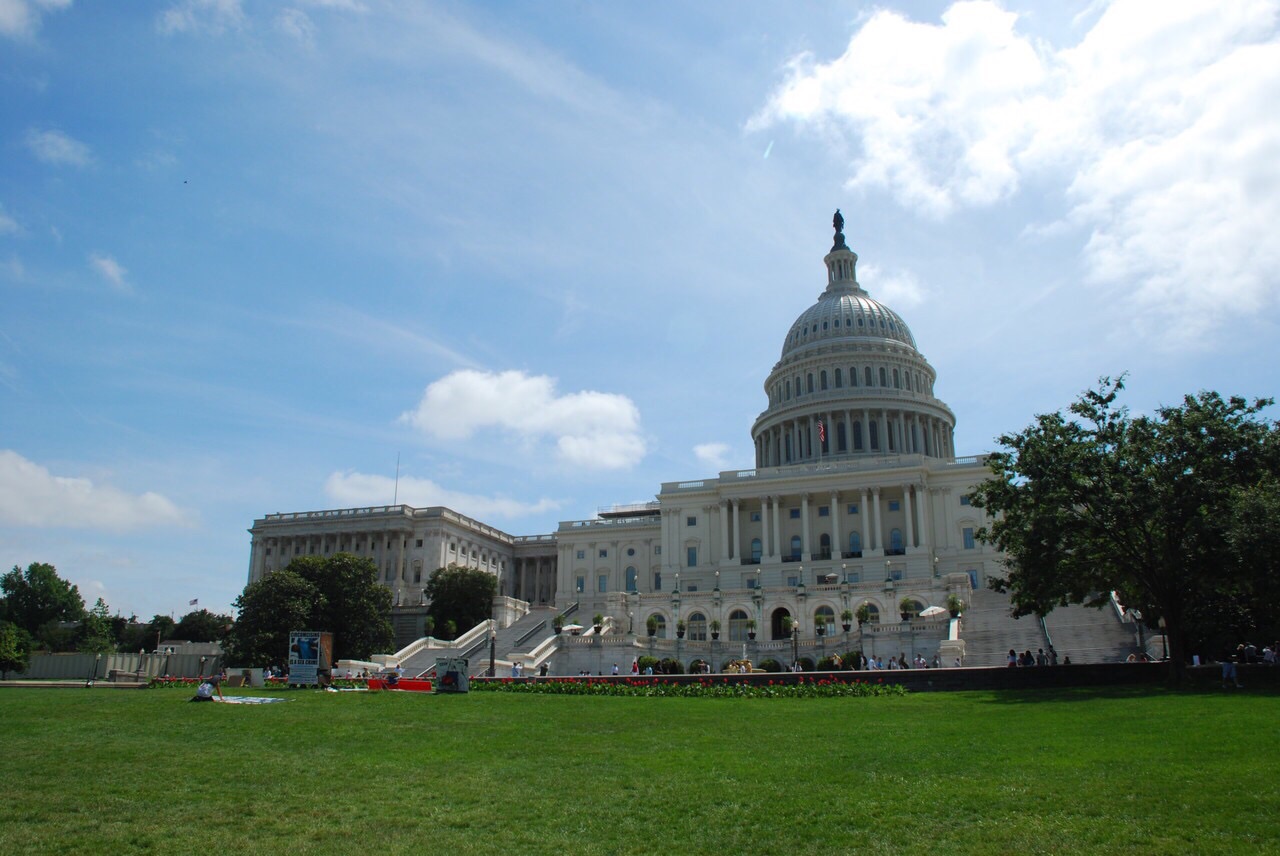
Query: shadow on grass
point(1057, 695)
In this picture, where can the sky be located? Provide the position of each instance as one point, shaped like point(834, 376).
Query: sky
point(541, 257)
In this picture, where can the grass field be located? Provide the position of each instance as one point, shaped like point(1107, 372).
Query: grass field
point(1112, 771)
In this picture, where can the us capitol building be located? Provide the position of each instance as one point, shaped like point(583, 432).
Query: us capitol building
point(856, 498)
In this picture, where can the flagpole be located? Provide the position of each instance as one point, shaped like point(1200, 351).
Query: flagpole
point(395, 497)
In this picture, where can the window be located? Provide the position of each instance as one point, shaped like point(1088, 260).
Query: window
point(390, 576)
point(896, 575)
point(738, 626)
point(661, 623)
point(857, 436)
point(964, 499)
point(691, 557)
point(788, 390)
point(795, 548)
point(853, 577)
point(894, 505)
point(897, 382)
point(853, 508)
point(696, 627)
point(752, 582)
point(604, 554)
point(602, 582)
point(453, 548)
point(809, 384)
point(839, 382)
point(657, 551)
point(883, 377)
point(417, 572)
point(793, 581)
point(907, 379)
point(967, 532)
point(631, 579)
point(268, 551)
point(866, 375)
point(419, 542)
point(855, 545)
point(824, 546)
point(755, 517)
point(795, 513)
point(582, 554)
point(874, 431)
point(582, 584)
point(755, 550)
point(691, 521)
point(824, 511)
point(828, 616)
point(895, 541)
point(822, 379)
point(631, 551)
point(657, 581)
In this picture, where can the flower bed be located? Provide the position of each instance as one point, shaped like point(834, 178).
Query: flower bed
point(269, 683)
point(722, 687)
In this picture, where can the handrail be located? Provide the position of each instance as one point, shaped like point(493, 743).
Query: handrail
point(537, 628)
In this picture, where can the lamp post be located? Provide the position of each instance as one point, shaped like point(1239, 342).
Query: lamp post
point(717, 581)
point(631, 623)
point(795, 644)
point(1164, 641)
point(493, 654)
point(935, 567)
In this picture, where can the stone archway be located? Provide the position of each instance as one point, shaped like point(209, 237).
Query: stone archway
point(777, 628)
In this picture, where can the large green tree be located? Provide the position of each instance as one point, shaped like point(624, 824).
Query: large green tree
point(461, 595)
point(1095, 500)
point(201, 625)
point(37, 596)
point(96, 634)
point(15, 649)
point(339, 594)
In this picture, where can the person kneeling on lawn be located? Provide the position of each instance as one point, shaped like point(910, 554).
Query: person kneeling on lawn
point(208, 687)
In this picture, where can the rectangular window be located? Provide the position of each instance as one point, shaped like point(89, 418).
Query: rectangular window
point(602, 583)
point(964, 499)
point(268, 551)
point(582, 584)
point(691, 557)
point(894, 505)
point(824, 511)
point(853, 509)
point(896, 575)
point(604, 554)
point(657, 551)
point(755, 517)
point(692, 588)
point(853, 577)
point(657, 581)
point(419, 542)
point(691, 521)
point(967, 532)
point(795, 513)
point(582, 554)
point(793, 581)
point(752, 582)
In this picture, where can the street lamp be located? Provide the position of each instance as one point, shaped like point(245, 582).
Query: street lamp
point(493, 652)
point(717, 581)
point(1164, 641)
point(935, 567)
point(888, 573)
point(795, 644)
point(631, 623)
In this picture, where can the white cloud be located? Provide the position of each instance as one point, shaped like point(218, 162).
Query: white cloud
point(359, 489)
point(32, 496)
point(297, 25)
point(8, 225)
point(344, 5)
point(202, 16)
point(112, 271)
point(898, 288)
point(57, 148)
point(1158, 130)
point(21, 18)
point(714, 455)
point(594, 430)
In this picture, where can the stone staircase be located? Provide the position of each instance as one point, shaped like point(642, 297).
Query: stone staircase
point(519, 637)
point(989, 631)
point(1088, 635)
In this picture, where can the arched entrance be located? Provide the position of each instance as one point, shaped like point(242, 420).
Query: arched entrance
point(777, 630)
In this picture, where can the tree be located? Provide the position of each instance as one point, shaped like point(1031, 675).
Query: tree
point(95, 634)
point(339, 594)
point(461, 595)
point(15, 649)
point(37, 596)
point(201, 625)
point(159, 628)
point(1100, 501)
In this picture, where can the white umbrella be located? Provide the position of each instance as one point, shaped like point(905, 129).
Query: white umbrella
point(932, 611)
point(572, 628)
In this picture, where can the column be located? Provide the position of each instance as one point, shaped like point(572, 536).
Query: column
point(848, 433)
point(884, 439)
point(926, 516)
point(866, 427)
point(875, 525)
point(837, 546)
point(764, 529)
point(864, 512)
point(948, 514)
point(736, 540)
point(805, 548)
point(906, 507)
point(777, 529)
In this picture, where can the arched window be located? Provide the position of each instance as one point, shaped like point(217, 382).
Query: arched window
point(822, 379)
point(897, 383)
point(809, 385)
point(907, 379)
point(895, 542)
point(914, 607)
point(795, 548)
point(866, 375)
point(631, 579)
point(874, 432)
point(738, 626)
point(855, 545)
point(857, 436)
point(799, 387)
point(662, 625)
point(788, 390)
point(875, 613)
point(755, 551)
point(697, 627)
point(824, 546)
point(853, 376)
point(842, 441)
point(828, 616)
point(883, 377)
point(838, 378)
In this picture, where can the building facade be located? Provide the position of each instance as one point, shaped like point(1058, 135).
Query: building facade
point(856, 498)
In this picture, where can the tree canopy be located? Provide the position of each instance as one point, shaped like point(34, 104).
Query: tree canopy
point(339, 594)
point(15, 649)
point(37, 596)
point(1096, 500)
point(463, 596)
point(201, 625)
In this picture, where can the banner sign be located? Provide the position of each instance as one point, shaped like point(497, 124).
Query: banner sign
point(304, 657)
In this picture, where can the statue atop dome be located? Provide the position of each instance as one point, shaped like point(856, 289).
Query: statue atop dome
point(838, 223)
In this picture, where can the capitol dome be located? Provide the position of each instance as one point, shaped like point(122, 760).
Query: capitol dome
point(850, 380)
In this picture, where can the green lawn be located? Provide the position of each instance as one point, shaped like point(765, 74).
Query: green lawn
point(1108, 771)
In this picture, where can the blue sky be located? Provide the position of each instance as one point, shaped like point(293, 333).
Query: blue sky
point(546, 253)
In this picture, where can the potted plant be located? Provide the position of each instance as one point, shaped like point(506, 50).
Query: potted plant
point(955, 605)
point(558, 623)
point(863, 614)
point(820, 624)
point(680, 628)
point(907, 607)
point(651, 625)
point(787, 623)
point(846, 619)
point(598, 622)
point(714, 626)
point(751, 629)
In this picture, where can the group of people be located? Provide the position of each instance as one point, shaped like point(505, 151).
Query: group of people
point(1040, 658)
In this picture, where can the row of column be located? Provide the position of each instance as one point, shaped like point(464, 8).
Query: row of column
point(799, 439)
point(381, 546)
point(533, 579)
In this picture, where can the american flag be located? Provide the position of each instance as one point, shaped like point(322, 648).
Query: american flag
point(193, 601)
point(822, 431)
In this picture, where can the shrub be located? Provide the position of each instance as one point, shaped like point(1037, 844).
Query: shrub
point(721, 687)
point(646, 661)
point(669, 666)
point(771, 665)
